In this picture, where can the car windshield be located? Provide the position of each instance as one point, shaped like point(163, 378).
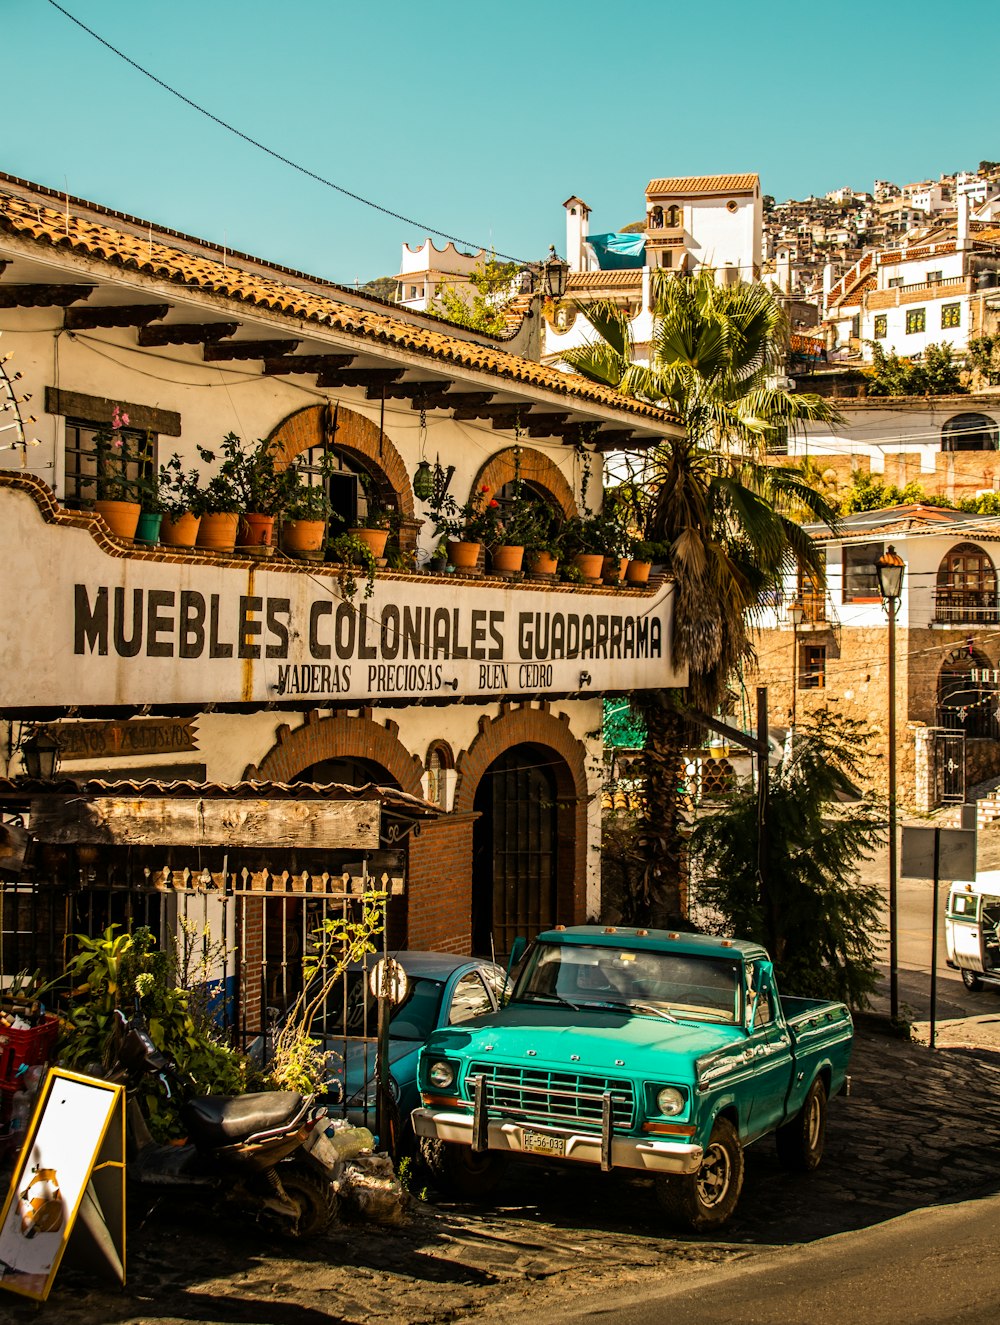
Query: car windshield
point(352, 1009)
point(675, 984)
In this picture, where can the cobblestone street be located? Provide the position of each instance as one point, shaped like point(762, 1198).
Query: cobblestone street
point(919, 1129)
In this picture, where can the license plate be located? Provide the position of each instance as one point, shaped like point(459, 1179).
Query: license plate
point(537, 1143)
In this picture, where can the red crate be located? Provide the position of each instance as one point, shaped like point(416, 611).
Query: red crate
point(26, 1047)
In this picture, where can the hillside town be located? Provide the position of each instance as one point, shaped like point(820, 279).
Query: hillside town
point(501, 763)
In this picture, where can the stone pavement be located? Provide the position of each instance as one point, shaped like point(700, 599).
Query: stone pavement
point(919, 1129)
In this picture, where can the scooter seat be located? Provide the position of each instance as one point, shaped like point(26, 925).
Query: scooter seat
point(221, 1119)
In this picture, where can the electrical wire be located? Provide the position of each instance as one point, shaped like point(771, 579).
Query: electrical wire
point(278, 156)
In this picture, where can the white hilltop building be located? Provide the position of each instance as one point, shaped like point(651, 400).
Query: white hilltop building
point(425, 270)
point(691, 221)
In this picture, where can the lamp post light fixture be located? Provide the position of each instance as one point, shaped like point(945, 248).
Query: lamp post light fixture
point(554, 271)
point(796, 615)
point(40, 753)
point(890, 568)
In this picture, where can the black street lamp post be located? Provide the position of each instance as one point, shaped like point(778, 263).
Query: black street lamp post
point(889, 569)
point(796, 613)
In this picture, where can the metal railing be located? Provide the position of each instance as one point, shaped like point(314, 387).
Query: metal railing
point(966, 606)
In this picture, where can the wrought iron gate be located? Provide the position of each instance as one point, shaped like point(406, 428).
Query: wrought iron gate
point(949, 767)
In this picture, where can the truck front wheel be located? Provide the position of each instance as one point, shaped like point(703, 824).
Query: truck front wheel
point(971, 981)
point(800, 1142)
point(460, 1171)
point(705, 1200)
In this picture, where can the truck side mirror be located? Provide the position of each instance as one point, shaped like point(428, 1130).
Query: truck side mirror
point(517, 950)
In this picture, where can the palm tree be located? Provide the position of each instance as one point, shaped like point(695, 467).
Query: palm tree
point(726, 520)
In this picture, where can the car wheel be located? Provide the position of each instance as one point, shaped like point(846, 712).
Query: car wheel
point(704, 1201)
point(800, 1142)
point(971, 981)
point(461, 1171)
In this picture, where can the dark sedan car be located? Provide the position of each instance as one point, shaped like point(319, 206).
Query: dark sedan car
point(440, 990)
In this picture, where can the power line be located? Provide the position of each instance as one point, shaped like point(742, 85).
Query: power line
point(277, 156)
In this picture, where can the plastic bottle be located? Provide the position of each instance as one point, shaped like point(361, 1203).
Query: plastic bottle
point(20, 1109)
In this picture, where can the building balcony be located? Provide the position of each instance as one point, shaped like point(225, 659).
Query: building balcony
point(818, 612)
point(966, 607)
point(665, 237)
point(919, 292)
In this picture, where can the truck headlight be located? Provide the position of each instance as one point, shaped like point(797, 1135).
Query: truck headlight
point(441, 1074)
point(670, 1101)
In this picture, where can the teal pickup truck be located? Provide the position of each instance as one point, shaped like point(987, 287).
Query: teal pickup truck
point(635, 1049)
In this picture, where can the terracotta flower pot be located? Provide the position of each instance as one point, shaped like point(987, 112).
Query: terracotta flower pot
point(638, 572)
point(256, 530)
point(376, 539)
point(589, 565)
point(299, 536)
point(463, 556)
point(613, 569)
point(542, 563)
point(148, 528)
point(180, 532)
point(121, 517)
point(217, 531)
point(508, 557)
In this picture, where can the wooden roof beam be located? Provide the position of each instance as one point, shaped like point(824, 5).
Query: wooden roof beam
point(407, 390)
point(249, 349)
point(186, 333)
point(446, 399)
point(113, 315)
point(546, 425)
point(618, 440)
point(43, 296)
point(306, 363)
point(366, 377)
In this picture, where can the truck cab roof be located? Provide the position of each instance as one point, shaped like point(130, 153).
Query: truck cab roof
point(660, 940)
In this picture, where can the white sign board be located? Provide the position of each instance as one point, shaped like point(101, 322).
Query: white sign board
point(82, 627)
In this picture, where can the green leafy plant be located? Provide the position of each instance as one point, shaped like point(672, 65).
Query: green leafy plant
point(349, 550)
point(493, 282)
point(937, 374)
point(813, 912)
point(299, 1061)
point(249, 478)
point(177, 490)
point(308, 501)
point(115, 970)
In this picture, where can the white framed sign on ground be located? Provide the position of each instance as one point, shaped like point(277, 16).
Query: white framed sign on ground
point(69, 1183)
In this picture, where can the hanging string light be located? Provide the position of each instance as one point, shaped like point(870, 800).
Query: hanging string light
point(10, 403)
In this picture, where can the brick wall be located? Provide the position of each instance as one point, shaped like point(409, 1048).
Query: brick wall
point(439, 885)
point(957, 474)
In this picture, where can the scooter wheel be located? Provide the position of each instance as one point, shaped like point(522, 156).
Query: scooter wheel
point(316, 1199)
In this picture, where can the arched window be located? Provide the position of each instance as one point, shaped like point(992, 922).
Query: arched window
point(969, 432)
point(355, 492)
point(673, 216)
point(966, 586)
point(656, 219)
point(439, 764)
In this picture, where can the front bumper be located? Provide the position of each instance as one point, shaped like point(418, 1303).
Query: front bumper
point(626, 1152)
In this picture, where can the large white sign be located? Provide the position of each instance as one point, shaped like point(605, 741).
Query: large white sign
point(86, 628)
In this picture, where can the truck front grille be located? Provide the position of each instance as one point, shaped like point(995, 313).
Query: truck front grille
point(572, 1099)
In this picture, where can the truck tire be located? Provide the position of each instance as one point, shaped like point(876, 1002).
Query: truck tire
point(704, 1201)
point(460, 1171)
point(971, 981)
point(800, 1142)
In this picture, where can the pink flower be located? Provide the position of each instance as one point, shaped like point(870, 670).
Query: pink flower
point(124, 420)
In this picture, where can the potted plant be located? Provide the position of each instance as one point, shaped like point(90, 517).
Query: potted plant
point(306, 513)
point(177, 496)
point(151, 514)
point(351, 552)
point(249, 486)
point(117, 500)
point(644, 553)
point(542, 540)
point(584, 539)
point(465, 526)
point(374, 528)
point(218, 502)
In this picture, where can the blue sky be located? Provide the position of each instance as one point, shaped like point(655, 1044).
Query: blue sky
point(479, 120)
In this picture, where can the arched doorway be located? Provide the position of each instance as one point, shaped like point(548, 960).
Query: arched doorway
point(967, 695)
point(516, 848)
point(349, 772)
point(969, 432)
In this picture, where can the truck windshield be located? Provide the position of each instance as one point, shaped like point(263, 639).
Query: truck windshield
point(700, 988)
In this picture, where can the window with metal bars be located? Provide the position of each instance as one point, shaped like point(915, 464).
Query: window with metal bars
point(81, 474)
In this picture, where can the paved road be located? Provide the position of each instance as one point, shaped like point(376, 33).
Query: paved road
point(930, 1267)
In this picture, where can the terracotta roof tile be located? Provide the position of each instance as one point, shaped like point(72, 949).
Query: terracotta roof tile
point(857, 294)
point(149, 254)
point(704, 184)
point(599, 280)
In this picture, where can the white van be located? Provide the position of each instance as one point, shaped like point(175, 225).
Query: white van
point(971, 926)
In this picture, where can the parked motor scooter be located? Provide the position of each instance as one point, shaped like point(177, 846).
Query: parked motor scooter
point(254, 1152)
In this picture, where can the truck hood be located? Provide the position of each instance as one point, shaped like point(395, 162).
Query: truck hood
point(612, 1040)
